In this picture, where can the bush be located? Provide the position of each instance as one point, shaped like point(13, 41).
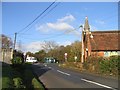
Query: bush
point(92, 63)
point(17, 60)
point(18, 83)
point(104, 65)
point(37, 84)
point(7, 82)
point(111, 65)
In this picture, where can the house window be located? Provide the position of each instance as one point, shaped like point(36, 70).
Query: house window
point(106, 54)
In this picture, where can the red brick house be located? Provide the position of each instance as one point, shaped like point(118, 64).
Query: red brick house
point(99, 43)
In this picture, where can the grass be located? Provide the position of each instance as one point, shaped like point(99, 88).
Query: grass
point(7, 81)
point(30, 79)
point(20, 77)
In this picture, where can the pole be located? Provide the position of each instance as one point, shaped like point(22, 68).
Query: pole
point(15, 40)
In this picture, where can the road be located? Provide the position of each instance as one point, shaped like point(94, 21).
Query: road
point(53, 76)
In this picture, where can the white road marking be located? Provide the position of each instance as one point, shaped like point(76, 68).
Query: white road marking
point(49, 67)
point(63, 72)
point(97, 84)
point(45, 65)
point(52, 68)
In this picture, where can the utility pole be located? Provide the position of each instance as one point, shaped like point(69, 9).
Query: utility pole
point(15, 40)
point(14, 54)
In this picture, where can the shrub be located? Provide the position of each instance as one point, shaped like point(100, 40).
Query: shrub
point(7, 83)
point(17, 60)
point(92, 63)
point(18, 83)
point(37, 84)
point(111, 65)
point(105, 65)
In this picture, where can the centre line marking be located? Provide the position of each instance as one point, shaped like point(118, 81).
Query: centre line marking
point(49, 67)
point(63, 72)
point(45, 65)
point(98, 84)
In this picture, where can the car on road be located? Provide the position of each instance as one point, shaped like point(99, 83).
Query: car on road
point(49, 60)
point(31, 59)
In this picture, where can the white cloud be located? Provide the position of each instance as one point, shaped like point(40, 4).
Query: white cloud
point(67, 18)
point(32, 47)
point(100, 22)
point(61, 24)
point(65, 43)
point(43, 28)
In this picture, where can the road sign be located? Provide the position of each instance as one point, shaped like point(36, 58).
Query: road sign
point(75, 57)
point(65, 57)
point(24, 54)
point(65, 54)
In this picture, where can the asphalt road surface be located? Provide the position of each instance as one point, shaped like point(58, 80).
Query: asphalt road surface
point(53, 76)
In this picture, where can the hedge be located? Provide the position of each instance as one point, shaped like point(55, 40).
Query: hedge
point(105, 65)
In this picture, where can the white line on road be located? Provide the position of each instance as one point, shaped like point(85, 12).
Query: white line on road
point(49, 67)
point(45, 65)
point(63, 72)
point(97, 84)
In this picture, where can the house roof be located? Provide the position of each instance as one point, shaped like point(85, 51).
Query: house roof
point(105, 41)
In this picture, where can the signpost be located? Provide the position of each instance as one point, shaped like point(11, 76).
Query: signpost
point(65, 57)
point(24, 56)
point(75, 58)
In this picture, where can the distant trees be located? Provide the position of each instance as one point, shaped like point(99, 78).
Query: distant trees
point(40, 55)
point(30, 54)
point(51, 49)
point(58, 51)
point(76, 49)
point(6, 41)
point(18, 58)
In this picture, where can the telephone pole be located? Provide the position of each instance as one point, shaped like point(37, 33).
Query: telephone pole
point(15, 40)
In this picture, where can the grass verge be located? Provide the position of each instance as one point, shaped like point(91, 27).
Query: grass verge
point(19, 77)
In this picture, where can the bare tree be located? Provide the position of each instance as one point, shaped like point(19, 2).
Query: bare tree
point(49, 45)
point(5, 41)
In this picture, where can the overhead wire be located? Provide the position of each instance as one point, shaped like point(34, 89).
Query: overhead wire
point(37, 17)
point(43, 16)
point(57, 35)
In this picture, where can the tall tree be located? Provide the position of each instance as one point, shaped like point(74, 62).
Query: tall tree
point(40, 55)
point(49, 45)
point(76, 49)
point(30, 54)
point(6, 41)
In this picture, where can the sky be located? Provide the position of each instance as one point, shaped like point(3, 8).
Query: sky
point(60, 25)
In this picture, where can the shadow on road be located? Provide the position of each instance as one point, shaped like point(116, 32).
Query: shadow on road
point(39, 70)
point(23, 74)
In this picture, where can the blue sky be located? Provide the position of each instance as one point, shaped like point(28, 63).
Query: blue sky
point(58, 25)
